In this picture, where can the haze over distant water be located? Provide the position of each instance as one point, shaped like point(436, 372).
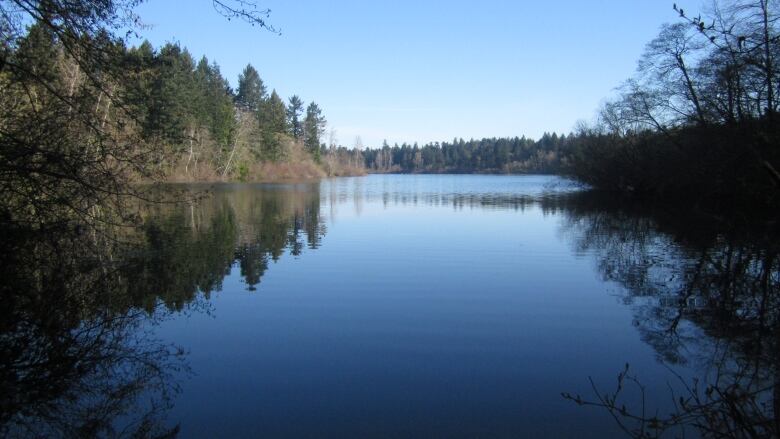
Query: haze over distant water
point(422, 71)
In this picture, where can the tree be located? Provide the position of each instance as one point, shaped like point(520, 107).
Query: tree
point(273, 124)
point(313, 127)
point(294, 111)
point(69, 143)
point(666, 62)
point(64, 148)
point(218, 101)
point(170, 94)
point(251, 90)
point(274, 115)
point(745, 32)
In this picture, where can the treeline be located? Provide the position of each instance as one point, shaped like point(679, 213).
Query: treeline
point(548, 155)
point(698, 121)
point(182, 109)
point(208, 130)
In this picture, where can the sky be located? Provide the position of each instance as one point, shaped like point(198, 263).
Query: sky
point(423, 70)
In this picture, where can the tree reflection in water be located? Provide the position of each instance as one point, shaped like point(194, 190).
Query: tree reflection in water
point(75, 361)
point(78, 357)
point(704, 293)
point(188, 249)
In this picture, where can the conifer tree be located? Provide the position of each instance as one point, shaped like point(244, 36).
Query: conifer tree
point(251, 90)
point(273, 123)
point(313, 126)
point(294, 111)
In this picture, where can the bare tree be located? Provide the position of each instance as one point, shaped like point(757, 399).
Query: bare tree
point(665, 63)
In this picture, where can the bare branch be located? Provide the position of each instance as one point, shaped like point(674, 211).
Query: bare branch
point(246, 10)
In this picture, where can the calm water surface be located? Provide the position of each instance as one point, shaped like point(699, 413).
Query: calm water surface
point(435, 306)
point(428, 306)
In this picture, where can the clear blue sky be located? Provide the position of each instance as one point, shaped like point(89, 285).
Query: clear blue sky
point(429, 70)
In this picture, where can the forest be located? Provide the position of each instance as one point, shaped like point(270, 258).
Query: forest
point(201, 128)
point(548, 155)
point(698, 121)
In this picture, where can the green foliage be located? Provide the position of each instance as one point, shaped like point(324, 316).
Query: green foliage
point(294, 111)
point(273, 116)
point(178, 116)
point(169, 94)
point(494, 155)
point(173, 97)
point(273, 124)
point(36, 51)
point(313, 127)
point(219, 104)
point(243, 172)
point(64, 146)
point(251, 91)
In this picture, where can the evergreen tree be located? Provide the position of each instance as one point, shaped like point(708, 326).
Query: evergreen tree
point(273, 115)
point(294, 111)
point(170, 94)
point(37, 51)
point(273, 123)
point(219, 106)
point(139, 63)
point(251, 90)
point(313, 126)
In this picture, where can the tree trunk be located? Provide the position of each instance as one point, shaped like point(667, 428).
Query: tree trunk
point(187, 166)
point(691, 90)
point(230, 158)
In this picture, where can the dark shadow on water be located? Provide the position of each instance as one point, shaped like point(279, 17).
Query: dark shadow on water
point(705, 293)
point(75, 359)
point(78, 357)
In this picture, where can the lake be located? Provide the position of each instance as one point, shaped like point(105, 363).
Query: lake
point(436, 306)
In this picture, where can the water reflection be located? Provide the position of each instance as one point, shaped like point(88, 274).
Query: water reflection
point(75, 360)
point(704, 292)
point(76, 350)
point(188, 248)
point(78, 359)
point(456, 191)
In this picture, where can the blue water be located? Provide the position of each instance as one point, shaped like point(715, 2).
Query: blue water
point(429, 306)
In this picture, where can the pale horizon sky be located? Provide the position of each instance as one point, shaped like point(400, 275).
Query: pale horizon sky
point(425, 71)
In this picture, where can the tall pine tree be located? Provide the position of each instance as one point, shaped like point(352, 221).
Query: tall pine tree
point(273, 124)
point(294, 111)
point(313, 127)
point(251, 90)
